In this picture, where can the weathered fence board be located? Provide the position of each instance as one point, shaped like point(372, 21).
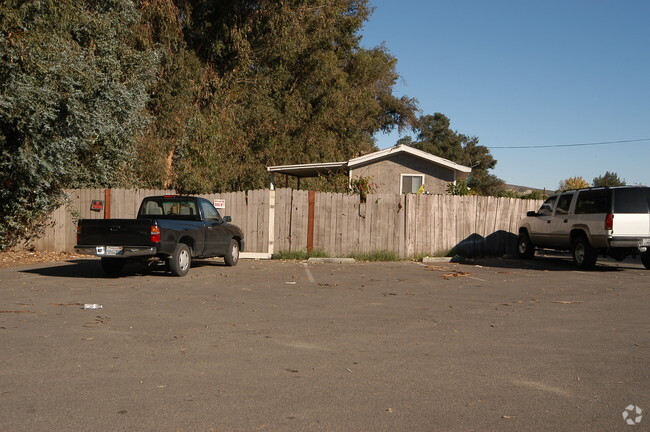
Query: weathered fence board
point(409, 224)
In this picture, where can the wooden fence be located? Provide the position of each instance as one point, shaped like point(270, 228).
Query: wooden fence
point(340, 224)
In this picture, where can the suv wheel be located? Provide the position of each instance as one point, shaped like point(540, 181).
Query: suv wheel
point(645, 259)
point(525, 249)
point(584, 256)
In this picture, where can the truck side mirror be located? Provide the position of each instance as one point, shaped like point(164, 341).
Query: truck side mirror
point(227, 219)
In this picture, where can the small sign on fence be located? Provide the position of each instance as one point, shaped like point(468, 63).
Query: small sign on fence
point(97, 205)
point(220, 203)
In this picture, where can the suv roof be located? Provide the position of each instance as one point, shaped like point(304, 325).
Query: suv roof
point(599, 187)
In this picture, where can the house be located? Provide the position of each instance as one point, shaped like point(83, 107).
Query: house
point(395, 170)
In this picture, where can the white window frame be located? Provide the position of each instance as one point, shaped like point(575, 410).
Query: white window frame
point(401, 181)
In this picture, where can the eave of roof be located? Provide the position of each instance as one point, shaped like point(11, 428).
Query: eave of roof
point(310, 170)
point(381, 154)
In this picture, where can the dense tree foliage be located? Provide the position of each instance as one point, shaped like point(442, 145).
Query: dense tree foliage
point(199, 95)
point(573, 183)
point(73, 90)
point(608, 179)
point(434, 135)
point(268, 83)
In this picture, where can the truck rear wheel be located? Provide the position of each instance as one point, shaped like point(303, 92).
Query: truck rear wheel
point(112, 266)
point(584, 256)
point(180, 261)
point(232, 256)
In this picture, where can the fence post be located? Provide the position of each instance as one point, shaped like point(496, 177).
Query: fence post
point(107, 203)
point(410, 209)
point(310, 221)
point(271, 249)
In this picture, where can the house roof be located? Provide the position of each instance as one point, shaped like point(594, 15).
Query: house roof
point(316, 169)
point(382, 154)
point(310, 170)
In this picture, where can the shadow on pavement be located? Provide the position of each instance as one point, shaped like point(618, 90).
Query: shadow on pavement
point(553, 262)
point(92, 269)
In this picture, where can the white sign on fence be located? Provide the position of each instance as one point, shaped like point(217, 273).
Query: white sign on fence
point(220, 203)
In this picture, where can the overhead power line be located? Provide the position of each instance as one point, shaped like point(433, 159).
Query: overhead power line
point(572, 145)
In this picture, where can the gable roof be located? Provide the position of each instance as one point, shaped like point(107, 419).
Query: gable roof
point(382, 154)
point(315, 169)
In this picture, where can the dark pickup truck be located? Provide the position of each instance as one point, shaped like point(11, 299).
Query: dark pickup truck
point(169, 229)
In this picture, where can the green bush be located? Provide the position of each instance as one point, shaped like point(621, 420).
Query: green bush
point(376, 256)
point(300, 255)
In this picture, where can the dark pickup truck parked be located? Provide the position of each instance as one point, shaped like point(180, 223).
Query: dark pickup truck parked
point(169, 229)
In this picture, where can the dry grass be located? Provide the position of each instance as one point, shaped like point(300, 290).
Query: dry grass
point(20, 258)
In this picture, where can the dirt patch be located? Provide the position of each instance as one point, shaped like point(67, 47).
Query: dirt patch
point(21, 258)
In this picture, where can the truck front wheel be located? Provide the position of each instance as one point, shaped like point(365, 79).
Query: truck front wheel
point(232, 256)
point(180, 261)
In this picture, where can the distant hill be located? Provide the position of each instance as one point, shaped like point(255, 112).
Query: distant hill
point(527, 189)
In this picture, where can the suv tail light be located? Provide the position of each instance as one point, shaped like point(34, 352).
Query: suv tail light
point(78, 234)
point(155, 234)
point(609, 222)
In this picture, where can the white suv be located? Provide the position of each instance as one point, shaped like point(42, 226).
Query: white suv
point(611, 222)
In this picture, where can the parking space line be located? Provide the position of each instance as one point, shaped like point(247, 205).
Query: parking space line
point(309, 275)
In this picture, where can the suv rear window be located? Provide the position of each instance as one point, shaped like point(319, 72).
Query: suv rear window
point(593, 201)
point(632, 200)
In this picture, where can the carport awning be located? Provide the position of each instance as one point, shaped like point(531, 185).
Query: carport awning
point(307, 170)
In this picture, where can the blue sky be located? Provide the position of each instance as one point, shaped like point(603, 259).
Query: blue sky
point(529, 73)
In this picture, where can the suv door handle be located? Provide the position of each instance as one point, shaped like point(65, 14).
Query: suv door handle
point(566, 220)
point(548, 221)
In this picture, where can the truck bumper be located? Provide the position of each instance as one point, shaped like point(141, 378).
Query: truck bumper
point(116, 251)
point(629, 241)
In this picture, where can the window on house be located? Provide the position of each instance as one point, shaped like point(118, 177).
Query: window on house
point(411, 183)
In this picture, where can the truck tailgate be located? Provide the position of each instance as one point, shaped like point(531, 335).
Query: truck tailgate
point(115, 232)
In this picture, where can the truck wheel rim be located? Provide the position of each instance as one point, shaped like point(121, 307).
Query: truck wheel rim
point(580, 253)
point(523, 246)
point(235, 252)
point(183, 259)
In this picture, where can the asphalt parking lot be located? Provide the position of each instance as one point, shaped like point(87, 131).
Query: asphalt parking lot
point(490, 345)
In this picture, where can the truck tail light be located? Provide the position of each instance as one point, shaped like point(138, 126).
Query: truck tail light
point(155, 234)
point(78, 234)
point(609, 222)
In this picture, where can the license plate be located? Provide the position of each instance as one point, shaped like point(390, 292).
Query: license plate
point(109, 250)
point(113, 250)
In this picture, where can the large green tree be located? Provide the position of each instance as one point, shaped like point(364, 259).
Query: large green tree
point(281, 82)
point(435, 135)
point(72, 98)
point(608, 179)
